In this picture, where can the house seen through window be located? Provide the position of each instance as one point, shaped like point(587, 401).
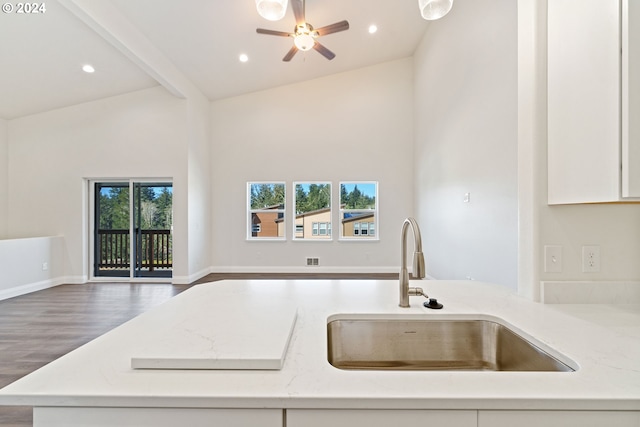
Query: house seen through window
point(358, 210)
point(313, 210)
point(266, 210)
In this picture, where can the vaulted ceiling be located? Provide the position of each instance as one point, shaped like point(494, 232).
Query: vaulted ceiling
point(193, 44)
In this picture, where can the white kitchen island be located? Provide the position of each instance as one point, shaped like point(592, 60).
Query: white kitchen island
point(96, 385)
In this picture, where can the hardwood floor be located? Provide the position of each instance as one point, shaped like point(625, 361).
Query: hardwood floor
point(38, 328)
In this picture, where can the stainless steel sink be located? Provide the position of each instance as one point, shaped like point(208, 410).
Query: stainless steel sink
point(375, 343)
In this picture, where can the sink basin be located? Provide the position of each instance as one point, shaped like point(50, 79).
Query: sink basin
point(441, 344)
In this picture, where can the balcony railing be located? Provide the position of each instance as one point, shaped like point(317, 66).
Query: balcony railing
point(155, 250)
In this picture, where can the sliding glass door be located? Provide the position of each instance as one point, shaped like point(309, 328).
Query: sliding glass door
point(152, 224)
point(133, 229)
point(112, 248)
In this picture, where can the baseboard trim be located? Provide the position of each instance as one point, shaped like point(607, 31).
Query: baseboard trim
point(185, 280)
point(16, 291)
point(303, 269)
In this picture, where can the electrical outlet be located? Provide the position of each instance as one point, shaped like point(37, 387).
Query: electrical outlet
point(45, 266)
point(591, 259)
point(313, 261)
point(553, 259)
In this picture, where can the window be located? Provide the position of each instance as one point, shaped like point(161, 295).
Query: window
point(321, 229)
point(312, 210)
point(266, 208)
point(358, 210)
point(364, 229)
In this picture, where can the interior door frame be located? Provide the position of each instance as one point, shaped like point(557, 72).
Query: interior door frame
point(91, 184)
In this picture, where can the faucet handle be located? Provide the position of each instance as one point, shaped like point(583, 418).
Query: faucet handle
point(416, 291)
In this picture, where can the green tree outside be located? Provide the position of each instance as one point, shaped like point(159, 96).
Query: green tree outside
point(356, 199)
point(312, 197)
point(265, 196)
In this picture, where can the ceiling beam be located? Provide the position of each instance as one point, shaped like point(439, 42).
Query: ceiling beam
point(106, 20)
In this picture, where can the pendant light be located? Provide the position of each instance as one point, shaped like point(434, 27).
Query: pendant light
point(273, 10)
point(434, 9)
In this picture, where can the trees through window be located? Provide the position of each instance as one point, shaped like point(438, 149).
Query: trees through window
point(313, 215)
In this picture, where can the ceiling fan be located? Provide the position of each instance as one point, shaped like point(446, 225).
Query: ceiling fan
point(304, 35)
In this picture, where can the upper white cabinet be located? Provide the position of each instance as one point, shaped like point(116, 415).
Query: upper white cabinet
point(593, 101)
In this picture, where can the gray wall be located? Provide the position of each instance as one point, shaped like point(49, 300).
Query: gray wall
point(466, 142)
point(355, 125)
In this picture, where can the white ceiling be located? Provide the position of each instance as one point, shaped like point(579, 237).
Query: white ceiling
point(136, 44)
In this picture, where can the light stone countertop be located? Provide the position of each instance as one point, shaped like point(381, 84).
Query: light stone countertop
point(603, 340)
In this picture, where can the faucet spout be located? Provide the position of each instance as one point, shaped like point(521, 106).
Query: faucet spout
point(418, 268)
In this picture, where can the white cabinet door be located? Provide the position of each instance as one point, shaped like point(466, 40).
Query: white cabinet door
point(593, 101)
point(156, 417)
point(630, 98)
point(558, 419)
point(583, 101)
point(379, 418)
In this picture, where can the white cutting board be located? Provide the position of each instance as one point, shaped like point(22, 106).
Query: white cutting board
point(195, 334)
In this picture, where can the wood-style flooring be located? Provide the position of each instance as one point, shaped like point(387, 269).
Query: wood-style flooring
point(39, 327)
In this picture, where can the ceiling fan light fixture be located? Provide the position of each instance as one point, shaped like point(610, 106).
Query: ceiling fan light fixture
point(434, 9)
point(272, 10)
point(304, 41)
point(304, 36)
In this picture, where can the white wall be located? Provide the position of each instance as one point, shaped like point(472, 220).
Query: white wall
point(351, 126)
point(615, 228)
point(466, 142)
point(199, 195)
point(532, 122)
point(4, 177)
point(28, 265)
point(141, 134)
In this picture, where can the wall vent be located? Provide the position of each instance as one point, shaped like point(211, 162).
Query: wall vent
point(312, 261)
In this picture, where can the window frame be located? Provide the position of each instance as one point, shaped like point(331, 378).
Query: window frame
point(315, 235)
point(280, 211)
point(359, 236)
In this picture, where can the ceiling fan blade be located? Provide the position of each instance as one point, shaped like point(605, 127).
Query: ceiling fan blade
point(272, 32)
point(333, 28)
point(298, 11)
point(290, 54)
point(324, 51)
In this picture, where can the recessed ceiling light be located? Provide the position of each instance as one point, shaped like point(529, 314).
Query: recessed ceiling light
point(88, 68)
point(243, 58)
point(372, 28)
